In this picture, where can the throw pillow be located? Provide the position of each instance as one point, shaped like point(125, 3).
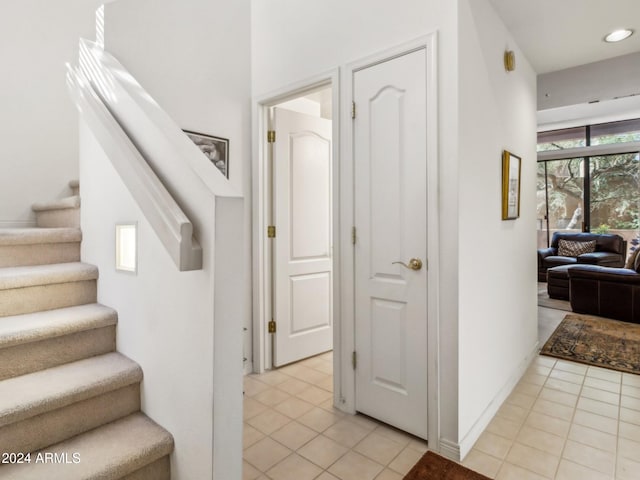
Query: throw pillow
point(567, 248)
point(631, 261)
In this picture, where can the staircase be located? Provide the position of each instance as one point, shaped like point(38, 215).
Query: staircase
point(66, 395)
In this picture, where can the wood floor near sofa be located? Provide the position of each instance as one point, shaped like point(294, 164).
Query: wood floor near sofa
point(545, 301)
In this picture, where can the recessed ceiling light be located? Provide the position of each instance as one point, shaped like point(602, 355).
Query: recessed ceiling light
point(618, 35)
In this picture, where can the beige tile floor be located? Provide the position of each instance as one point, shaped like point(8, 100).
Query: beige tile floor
point(292, 431)
point(563, 421)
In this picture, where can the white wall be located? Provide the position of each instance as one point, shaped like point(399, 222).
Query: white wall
point(294, 40)
point(317, 104)
point(160, 326)
point(290, 45)
point(497, 278)
point(599, 81)
point(302, 105)
point(599, 92)
point(193, 57)
point(180, 53)
point(38, 127)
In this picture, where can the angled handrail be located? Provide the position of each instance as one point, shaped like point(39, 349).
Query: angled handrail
point(122, 94)
point(167, 219)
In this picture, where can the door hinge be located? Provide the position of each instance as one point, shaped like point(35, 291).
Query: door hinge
point(271, 136)
point(354, 360)
point(271, 231)
point(272, 326)
point(353, 235)
point(353, 109)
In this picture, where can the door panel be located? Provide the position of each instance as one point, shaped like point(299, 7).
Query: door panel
point(388, 326)
point(313, 289)
point(302, 249)
point(391, 221)
point(310, 167)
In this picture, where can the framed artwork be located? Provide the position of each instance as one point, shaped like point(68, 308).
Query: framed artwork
point(215, 149)
point(511, 167)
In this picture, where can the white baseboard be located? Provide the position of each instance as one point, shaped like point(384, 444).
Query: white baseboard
point(17, 224)
point(478, 427)
point(450, 450)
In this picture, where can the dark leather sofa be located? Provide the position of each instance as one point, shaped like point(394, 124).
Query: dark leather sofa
point(610, 252)
point(606, 292)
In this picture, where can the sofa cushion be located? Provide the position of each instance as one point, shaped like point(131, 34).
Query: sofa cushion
point(631, 261)
point(636, 263)
point(608, 242)
point(599, 273)
point(556, 260)
point(606, 259)
point(567, 248)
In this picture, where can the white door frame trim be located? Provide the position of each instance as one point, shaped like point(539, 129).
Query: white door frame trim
point(346, 326)
point(261, 253)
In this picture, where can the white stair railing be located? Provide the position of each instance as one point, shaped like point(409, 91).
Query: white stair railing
point(155, 133)
point(170, 223)
point(163, 168)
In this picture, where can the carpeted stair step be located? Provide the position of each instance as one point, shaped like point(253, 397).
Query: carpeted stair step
point(41, 340)
point(132, 448)
point(46, 407)
point(46, 287)
point(74, 185)
point(59, 213)
point(39, 246)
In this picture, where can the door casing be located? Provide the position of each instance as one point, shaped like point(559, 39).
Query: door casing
point(340, 80)
point(261, 268)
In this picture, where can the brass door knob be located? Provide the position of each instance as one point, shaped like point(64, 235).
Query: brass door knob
point(414, 264)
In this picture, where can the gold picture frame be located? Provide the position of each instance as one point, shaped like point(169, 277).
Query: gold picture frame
point(511, 168)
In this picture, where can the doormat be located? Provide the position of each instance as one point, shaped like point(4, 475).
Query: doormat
point(435, 467)
point(596, 341)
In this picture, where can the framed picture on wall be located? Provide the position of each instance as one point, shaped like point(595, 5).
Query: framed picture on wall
point(215, 149)
point(511, 167)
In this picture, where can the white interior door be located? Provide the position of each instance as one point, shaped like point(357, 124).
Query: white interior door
point(391, 220)
point(303, 245)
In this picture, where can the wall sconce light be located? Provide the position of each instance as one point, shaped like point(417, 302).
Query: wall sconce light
point(127, 247)
point(509, 61)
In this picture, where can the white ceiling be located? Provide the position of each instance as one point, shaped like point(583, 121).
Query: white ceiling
point(558, 34)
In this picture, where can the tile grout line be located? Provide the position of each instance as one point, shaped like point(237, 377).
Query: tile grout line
point(615, 457)
point(542, 387)
point(573, 415)
point(504, 460)
point(351, 421)
point(617, 434)
point(571, 422)
point(514, 441)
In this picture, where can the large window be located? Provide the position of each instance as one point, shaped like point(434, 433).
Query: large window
point(582, 188)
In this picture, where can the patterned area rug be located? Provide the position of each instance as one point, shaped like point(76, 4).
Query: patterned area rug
point(596, 341)
point(435, 467)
